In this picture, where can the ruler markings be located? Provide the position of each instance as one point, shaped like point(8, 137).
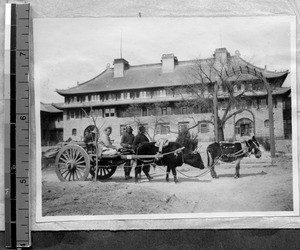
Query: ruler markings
point(16, 127)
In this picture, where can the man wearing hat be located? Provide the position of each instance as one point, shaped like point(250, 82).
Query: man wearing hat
point(126, 142)
point(140, 138)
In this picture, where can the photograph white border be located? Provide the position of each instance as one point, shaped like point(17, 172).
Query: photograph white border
point(86, 218)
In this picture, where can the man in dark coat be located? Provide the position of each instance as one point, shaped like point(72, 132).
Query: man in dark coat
point(126, 142)
point(140, 138)
point(138, 141)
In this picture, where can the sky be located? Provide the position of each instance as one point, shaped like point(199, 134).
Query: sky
point(68, 51)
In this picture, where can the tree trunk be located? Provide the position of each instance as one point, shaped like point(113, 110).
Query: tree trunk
point(216, 117)
point(221, 134)
point(271, 118)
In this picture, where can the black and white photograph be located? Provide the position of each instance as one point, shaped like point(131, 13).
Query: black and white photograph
point(157, 118)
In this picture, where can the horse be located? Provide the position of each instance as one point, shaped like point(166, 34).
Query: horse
point(229, 152)
point(172, 156)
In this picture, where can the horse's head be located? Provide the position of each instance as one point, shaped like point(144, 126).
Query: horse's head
point(193, 158)
point(254, 147)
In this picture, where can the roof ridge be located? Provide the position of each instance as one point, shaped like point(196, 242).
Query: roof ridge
point(262, 69)
point(80, 84)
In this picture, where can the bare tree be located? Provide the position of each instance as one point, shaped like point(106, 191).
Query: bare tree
point(93, 118)
point(210, 89)
point(154, 117)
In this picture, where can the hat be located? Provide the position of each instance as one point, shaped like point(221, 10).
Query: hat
point(141, 128)
point(128, 127)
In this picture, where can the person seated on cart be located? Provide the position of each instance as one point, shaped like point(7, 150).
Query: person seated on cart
point(105, 146)
point(126, 142)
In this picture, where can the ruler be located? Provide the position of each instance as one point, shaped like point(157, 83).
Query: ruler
point(16, 98)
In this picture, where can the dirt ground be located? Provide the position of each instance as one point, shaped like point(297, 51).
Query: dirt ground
point(259, 188)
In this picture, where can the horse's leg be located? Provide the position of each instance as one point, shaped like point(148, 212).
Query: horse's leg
point(212, 166)
point(237, 168)
point(174, 174)
point(137, 171)
point(146, 170)
point(167, 174)
point(212, 170)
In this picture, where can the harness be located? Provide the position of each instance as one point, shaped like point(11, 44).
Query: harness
point(176, 152)
point(241, 152)
point(159, 156)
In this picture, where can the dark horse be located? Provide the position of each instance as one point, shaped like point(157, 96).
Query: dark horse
point(172, 160)
point(229, 152)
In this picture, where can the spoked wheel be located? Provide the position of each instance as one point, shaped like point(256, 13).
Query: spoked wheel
point(105, 171)
point(72, 163)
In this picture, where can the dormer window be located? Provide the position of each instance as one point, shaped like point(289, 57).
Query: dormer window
point(162, 93)
point(143, 94)
point(125, 95)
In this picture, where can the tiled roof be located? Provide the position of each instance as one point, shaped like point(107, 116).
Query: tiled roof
point(151, 76)
point(50, 108)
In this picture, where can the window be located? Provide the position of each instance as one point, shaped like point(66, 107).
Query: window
point(98, 112)
point(203, 127)
point(162, 93)
point(77, 113)
point(111, 96)
point(266, 123)
point(143, 94)
point(164, 110)
point(144, 111)
point(125, 95)
point(163, 128)
point(258, 103)
point(72, 113)
point(254, 103)
point(110, 112)
point(248, 104)
point(263, 102)
point(222, 105)
point(74, 131)
point(59, 117)
point(183, 126)
point(244, 127)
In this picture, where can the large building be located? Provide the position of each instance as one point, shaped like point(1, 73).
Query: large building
point(51, 124)
point(153, 95)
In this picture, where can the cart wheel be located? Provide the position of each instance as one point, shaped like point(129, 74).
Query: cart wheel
point(106, 171)
point(72, 163)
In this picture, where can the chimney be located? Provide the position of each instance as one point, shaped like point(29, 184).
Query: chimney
point(168, 62)
point(120, 65)
point(221, 55)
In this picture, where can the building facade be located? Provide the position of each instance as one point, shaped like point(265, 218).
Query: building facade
point(51, 124)
point(155, 95)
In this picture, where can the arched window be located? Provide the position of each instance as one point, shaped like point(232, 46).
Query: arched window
point(89, 129)
point(244, 127)
point(74, 131)
point(266, 123)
